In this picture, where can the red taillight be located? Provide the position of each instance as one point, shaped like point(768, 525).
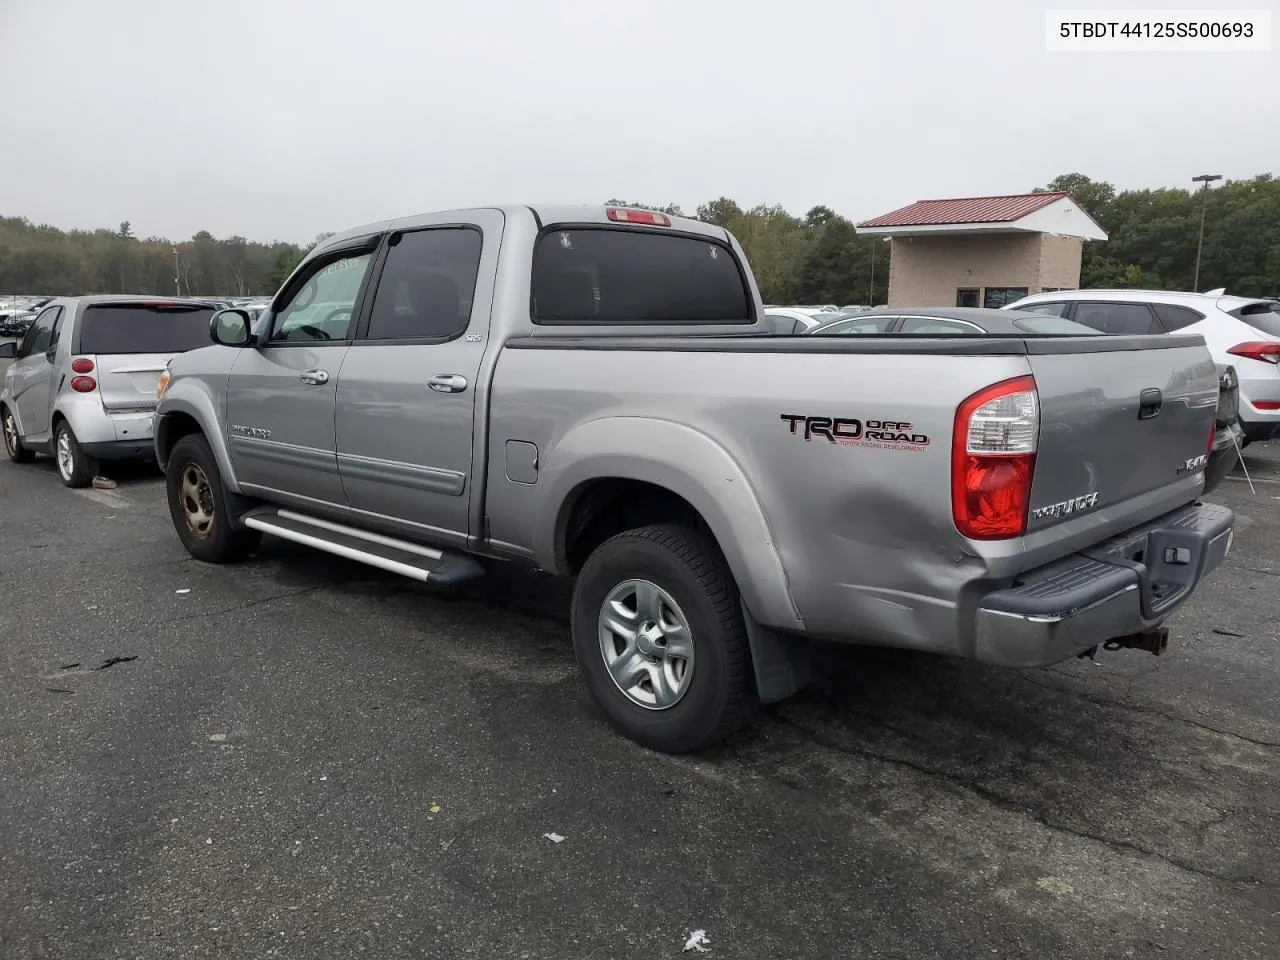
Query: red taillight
point(1266, 404)
point(82, 365)
point(84, 384)
point(625, 215)
point(993, 457)
point(1257, 350)
point(1213, 435)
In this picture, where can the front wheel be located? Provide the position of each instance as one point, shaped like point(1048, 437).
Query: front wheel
point(660, 640)
point(75, 467)
point(12, 442)
point(198, 504)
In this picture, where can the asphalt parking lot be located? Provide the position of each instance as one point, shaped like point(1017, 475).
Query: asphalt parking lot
point(303, 757)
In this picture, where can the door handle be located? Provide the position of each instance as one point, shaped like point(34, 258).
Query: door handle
point(1149, 403)
point(314, 376)
point(447, 383)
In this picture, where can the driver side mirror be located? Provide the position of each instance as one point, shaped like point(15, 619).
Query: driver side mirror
point(9, 351)
point(231, 328)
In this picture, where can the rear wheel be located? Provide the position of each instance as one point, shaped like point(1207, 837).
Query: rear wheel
point(12, 442)
point(75, 467)
point(199, 505)
point(660, 640)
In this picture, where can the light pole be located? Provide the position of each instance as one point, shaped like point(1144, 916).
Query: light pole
point(1206, 179)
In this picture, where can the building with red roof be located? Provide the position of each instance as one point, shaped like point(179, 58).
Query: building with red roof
point(983, 251)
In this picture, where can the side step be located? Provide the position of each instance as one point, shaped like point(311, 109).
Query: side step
point(413, 560)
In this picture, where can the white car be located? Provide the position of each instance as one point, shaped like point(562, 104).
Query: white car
point(1243, 332)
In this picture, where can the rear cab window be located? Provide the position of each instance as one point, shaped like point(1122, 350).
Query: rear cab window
point(614, 275)
point(116, 328)
point(1263, 316)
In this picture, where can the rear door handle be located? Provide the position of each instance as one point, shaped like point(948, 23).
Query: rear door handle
point(314, 376)
point(447, 383)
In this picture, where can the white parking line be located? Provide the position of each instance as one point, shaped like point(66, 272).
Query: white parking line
point(105, 497)
point(1255, 479)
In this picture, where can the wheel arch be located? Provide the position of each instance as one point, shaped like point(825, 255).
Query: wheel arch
point(686, 472)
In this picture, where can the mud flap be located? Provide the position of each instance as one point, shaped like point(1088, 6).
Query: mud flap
point(783, 664)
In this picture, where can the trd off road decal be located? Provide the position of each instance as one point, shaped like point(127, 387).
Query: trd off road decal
point(850, 431)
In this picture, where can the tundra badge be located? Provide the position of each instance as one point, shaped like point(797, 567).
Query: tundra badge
point(1065, 508)
point(1194, 464)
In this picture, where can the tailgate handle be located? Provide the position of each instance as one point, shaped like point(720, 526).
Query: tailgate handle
point(1149, 403)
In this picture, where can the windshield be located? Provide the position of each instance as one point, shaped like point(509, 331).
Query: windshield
point(109, 328)
point(1046, 325)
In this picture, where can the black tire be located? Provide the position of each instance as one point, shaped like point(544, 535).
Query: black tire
point(720, 696)
point(82, 467)
point(12, 442)
point(219, 540)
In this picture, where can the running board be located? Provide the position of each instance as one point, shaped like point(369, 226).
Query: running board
point(413, 560)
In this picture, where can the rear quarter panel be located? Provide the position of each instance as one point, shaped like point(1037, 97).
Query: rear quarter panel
point(861, 528)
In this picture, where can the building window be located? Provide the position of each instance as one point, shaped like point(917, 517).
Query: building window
point(993, 298)
point(967, 296)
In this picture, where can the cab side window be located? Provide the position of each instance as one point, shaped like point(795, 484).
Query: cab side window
point(39, 337)
point(427, 285)
point(323, 307)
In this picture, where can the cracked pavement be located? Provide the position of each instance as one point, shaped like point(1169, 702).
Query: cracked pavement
point(304, 757)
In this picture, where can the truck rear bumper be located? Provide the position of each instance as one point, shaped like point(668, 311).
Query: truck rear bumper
point(1125, 585)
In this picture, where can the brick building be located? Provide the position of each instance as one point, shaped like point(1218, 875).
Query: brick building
point(983, 251)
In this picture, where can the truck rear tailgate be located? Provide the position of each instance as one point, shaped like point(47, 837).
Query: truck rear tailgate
point(1120, 418)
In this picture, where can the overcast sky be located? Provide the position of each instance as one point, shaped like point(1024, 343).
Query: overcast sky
point(284, 118)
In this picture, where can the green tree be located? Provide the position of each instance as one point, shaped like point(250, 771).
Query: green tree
point(721, 212)
point(287, 260)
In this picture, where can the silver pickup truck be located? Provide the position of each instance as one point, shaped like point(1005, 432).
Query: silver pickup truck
point(594, 392)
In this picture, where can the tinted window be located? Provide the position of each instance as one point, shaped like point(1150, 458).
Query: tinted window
point(427, 285)
point(1056, 309)
point(921, 325)
point(108, 328)
point(1175, 318)
point(39, 336)
point(865, 325)
point(993, 298)
point(323, 306)
point(1047, 326)
point(1117, 319)
point(1264, 316)
point(967, 296)
point(626, 276)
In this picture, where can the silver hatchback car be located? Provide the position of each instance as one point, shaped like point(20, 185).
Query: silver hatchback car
point(82, 387)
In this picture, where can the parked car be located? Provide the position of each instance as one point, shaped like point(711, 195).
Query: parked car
point(83, 384)
point(1240, 331)
point(1224, 453)
point(590, 391)
point(789, 320)
point(16, 324)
